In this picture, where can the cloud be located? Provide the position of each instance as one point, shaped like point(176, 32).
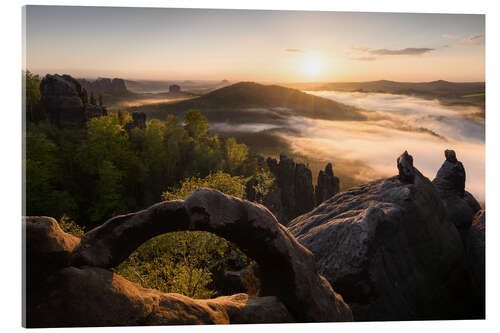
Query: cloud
point(363, 58)
point(360, 48)
point(406, 51)
point(449, 36)
point(474, 39)
point(293, 50)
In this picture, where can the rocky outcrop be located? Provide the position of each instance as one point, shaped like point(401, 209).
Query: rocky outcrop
point(388, 248)
point(101, 86)
point(65, 101)
point(138, 121)
point(328, 185)
point(475, 254)
point(83, 291)
point(460, 205)
point(293, 193)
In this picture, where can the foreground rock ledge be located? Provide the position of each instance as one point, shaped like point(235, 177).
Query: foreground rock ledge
point(81, 291)
point(392, 250)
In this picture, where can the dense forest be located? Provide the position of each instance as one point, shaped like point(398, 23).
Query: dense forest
point(83, 176)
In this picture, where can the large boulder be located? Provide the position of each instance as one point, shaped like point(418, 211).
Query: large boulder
point(62, 98)
point(460, 205)
point(65, 101)
point(83, 291)
point(388, 249)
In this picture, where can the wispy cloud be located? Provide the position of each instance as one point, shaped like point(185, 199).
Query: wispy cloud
point(293, 50)
point(363, 58)
point(474, 39)
point(405, 51)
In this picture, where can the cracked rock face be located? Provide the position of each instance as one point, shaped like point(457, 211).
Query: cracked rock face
point(388, 249)
point(292, 289)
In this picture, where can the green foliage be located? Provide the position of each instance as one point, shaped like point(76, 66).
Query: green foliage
point(232, 185)
point(69, 226)
point(84, 176)
point(196, 124)
point(263, 184)
point(235, 154)
point(186, 262)
point(32, 89)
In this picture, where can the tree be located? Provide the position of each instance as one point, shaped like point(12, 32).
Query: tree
point(92, 98)
point(235, 154)
point(31, 85)
point(196, 124)
point(100, 100)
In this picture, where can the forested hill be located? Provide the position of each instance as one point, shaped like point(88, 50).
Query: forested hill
point(248, 95)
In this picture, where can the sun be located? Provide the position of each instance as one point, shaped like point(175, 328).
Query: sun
point(312, 65)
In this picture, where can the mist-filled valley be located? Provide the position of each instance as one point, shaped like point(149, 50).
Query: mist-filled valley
point(364, 150)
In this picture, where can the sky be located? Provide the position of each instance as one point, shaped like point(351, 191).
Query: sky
point(263, 46)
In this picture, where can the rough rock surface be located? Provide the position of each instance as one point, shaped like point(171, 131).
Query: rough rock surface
point(328, 185)
point(460, 205)
point(65, 101)
point(388, 249)
point(475, 252)
point(292, 289)
point(48, 249)
point(91, 296)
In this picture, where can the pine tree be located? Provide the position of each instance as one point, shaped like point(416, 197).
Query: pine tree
point(92, 98)
point(100, 100)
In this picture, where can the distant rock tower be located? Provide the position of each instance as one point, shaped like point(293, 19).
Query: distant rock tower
point(174, 88)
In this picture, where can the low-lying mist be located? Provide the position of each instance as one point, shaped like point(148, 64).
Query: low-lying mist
point(367, 150)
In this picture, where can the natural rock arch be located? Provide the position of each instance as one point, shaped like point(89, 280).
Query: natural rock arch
point(288, 269)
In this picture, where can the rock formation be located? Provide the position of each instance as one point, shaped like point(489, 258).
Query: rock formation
point(389, 249)
point(79, 290)
point(294, 193)
point(174, 88)
point(115, 87)
point(460, 205)
point(328, 185)
point(475, 253)
point(65, 101)
point(138, 121)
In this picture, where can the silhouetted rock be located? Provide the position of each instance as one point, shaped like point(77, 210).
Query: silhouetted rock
point(174, 88)
point(85, 293)
point(475, 254)
point(405, 168)
point(138, 121)
point(48, 249)
point(62, 98)
point(388, 249)
point(295, 184)
point(328, 185)
point(115, 87)
point(65, 101)
point(460, 205)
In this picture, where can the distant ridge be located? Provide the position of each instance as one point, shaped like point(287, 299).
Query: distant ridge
point(245, 95)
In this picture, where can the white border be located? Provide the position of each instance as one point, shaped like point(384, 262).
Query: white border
point(10, 130)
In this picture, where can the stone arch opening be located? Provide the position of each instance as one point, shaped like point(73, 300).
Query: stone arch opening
point(287, 269)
